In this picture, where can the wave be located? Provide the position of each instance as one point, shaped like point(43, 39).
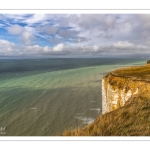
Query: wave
point(85, 120)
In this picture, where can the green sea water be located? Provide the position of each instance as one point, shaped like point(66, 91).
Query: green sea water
point(44, 97)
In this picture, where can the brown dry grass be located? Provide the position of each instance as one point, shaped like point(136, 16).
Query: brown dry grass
point(139, 72)
point(131, 120)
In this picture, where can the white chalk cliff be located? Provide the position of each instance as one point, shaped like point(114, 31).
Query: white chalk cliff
point(116, 90)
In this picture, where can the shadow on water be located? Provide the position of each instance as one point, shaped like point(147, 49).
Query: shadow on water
point(40, 112)
point(46, 111)
point(25, 67)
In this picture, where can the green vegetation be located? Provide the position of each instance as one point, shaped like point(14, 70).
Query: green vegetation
point(131, 120)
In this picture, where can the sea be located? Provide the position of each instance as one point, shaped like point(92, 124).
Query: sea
point(45, 97)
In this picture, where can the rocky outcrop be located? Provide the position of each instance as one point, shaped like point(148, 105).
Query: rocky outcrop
point(117, 89)
point(148, 62)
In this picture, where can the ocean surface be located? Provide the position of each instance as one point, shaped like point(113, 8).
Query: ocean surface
point(44, 97)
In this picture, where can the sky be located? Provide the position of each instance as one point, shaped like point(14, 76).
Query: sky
point(74, 35)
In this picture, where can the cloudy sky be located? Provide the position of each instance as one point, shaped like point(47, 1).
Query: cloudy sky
point(74, 35)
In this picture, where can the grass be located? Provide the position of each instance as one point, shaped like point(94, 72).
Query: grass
point(137, 72)
point(132, 119)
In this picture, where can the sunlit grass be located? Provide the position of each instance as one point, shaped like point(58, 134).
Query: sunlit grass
point(131, 120)
point(139, 72)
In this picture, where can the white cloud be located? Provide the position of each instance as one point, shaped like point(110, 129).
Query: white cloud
point(10, 49)
point(25, 33)
point(47, 49)
point(1, 25)
point(14, 17)
point(95, 48)
point(123, 45)
point(142, 47)
point(58, 47)
point(6, 47)
point(99, 33)
point(6, 44)
point(27, 37)
point(36, 18)
point(35, 50)
point(15, 29)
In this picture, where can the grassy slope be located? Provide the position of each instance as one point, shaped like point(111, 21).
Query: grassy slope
point(132, 119)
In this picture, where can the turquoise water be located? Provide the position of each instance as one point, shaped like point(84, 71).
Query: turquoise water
point(42, 97)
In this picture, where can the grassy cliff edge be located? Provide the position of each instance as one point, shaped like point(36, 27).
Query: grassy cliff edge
point(132, 119)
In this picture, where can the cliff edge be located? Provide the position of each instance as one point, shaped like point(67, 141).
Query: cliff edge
point(125, 104)
point(119, 85)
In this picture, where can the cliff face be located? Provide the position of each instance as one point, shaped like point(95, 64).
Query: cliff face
point(118, 88)
point(127, 87)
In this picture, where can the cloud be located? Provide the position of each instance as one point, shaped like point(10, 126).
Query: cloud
point(55, 40)
point(27, 37)
point(50, 30)
point(14, 18)
point(68, 33)
point(142, 47)
point(6, 47)
point(25, 33)
point(36, 18)
point(47, 49)
point(144, 17)
point(15, 29)
point(123, 45)
point(95, 47)
point(6, 44)
point(145, 24)
point(75, 34)
point(103, 22)
point(58, 47)
point(69, 20)
point(109, 22)
point(36, 50)
point(11, 49)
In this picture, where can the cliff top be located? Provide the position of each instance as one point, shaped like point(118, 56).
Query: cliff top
point(148, 62)
point(136, 72)
point(132, 119)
